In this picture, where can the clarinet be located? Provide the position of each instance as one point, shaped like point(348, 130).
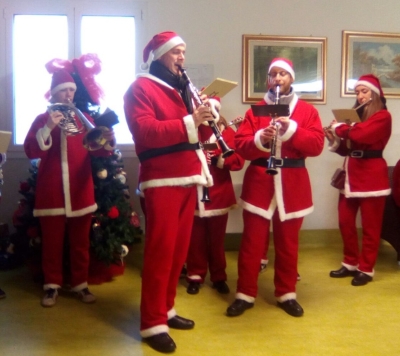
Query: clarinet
point(271, 163)
point(226, 151)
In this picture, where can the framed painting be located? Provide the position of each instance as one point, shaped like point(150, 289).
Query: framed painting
point(371, 52)
point(308, 55)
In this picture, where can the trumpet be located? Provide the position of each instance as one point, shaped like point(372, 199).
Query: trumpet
point(93, 139)
point(226, 151)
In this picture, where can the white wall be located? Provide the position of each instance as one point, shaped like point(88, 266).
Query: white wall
point(213, 32)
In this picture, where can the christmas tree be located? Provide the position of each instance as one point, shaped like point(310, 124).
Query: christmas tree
point(115, 224)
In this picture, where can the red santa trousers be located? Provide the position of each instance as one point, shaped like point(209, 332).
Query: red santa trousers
point(207, 249)
point(169, 219)
point(78, 234)
point(252, 248)
point(371, 209)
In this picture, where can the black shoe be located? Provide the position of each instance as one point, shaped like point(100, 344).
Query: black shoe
point(161, 343)
point(177, 322)
point(221, 287)
point(193, 288)
point(2, 294)
point(238, 307)
point(361, 279)
point(342, 272)
point(291, 307)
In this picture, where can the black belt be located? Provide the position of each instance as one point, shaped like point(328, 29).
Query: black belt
point(365, 154)
point(155, 152)
point(281, 162)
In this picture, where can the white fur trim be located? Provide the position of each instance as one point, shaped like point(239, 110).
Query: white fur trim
point(154, 330)
point(195, 278)
point(286, 297)
point(215, 107)
point(62, 86)
point(266, 214)
point(349, 267)
point(51, 285)
point(290, 131)
point(377, 193)
point(171, 313)
point(62, 211)
point(79, 287)
point(371, 274)
point(42, 136)
point(257, 142)
point(202, 213)
point(368, 85)
point(205, 170)
point(283, 65)
point(174, 41)
point(191, 129)
point(245, 297)
point(176, 181)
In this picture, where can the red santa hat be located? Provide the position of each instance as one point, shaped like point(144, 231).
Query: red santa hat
point(283, 63)
point(159, 45)
point(372, 82)
point(61, 80)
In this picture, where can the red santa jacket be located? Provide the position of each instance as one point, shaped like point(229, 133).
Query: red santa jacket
point(221, 194)
point(290, 190)
point(157, 118)
point(365, 177)
point(64, 182)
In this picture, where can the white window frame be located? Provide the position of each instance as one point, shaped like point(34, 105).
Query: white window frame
point(74, 9)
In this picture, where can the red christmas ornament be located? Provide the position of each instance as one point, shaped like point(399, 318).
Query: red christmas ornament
point(113, 213)
point(134, 220)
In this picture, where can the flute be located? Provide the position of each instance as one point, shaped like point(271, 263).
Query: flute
point(356, 108)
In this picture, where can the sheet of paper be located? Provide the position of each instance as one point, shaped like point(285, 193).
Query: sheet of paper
point(346, 115)
point(219, 87)
point(5, 138)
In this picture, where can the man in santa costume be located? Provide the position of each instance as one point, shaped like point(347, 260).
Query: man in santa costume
point(284, 198)
point(163, 122)
point(64, 199)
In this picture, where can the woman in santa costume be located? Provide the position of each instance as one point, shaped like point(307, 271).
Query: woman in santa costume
point(284, 198)
point(163, 122)
point(207, 249)
point(367, 182)
point(64, 198)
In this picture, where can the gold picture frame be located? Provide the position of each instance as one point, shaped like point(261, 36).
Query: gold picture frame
point(308, 55)
point(371, 52)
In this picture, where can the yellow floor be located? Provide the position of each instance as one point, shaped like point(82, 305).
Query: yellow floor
point(339, 319)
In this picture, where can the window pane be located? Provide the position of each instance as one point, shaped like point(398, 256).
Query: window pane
point(36, 40)
point(112, 38)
